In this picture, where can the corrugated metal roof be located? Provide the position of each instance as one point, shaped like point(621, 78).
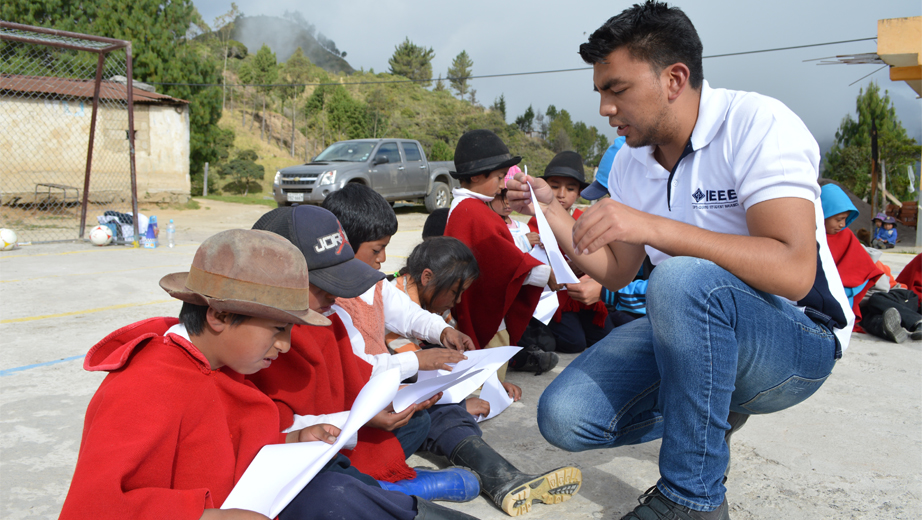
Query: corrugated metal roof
point(82, 88)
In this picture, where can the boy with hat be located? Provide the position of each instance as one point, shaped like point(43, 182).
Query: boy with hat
point(576, 326)
point(885, 236)
point(501, 302)
point(175, 424)
point(323, 374)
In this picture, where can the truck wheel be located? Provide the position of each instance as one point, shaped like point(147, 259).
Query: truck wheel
point(439, 197)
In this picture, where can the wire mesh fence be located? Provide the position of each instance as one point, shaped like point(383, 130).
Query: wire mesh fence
point(50, 176)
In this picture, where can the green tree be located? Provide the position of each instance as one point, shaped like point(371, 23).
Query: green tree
point(413, 62)
point(459, 72)
point(263, 71)
point(499, 104)
point(223, 26)
point(560, 130)
point(244, 172)
point(849, 159)
point(296, 71)
point(161, 53)
point(378, 102)
point(525, 122)
point(439, 85)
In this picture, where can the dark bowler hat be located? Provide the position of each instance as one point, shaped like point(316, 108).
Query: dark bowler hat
point(481, 151)
point(567, 164)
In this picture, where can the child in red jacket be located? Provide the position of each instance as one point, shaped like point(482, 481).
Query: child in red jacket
point(174, 425)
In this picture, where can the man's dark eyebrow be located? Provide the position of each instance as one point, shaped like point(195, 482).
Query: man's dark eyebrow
point(608, 84)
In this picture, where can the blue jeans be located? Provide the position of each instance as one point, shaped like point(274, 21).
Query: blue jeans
point(708, 345)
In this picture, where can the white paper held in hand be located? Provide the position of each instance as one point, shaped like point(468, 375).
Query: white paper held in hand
point(280, 471)
point(494, 393)
point(487, 361)
point(422, 390)
point(558, 263)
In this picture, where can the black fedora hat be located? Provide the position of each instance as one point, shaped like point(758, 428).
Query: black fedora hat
point(481, 151)
point(567, 164)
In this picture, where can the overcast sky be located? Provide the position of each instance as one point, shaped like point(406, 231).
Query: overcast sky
point(519, 36)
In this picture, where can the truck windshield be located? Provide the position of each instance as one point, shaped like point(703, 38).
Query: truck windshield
point(346, 151)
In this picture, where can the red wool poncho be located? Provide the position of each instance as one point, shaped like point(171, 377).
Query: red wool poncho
point(164, 436)
point(321, 375)
point(499, 292)
point(854, 264)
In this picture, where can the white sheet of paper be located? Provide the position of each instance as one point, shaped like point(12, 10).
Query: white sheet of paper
point(487, 360)
point(558, 263)
point(422, 390)
point(280, 471)
point(547, 306)
point(494, 393)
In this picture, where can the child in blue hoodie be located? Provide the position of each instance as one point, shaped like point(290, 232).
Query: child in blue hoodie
point(885, 236)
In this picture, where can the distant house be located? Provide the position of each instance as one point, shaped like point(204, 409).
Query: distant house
point(44, 133)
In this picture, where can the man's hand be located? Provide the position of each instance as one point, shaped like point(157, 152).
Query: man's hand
point(587, 291)
point(456, 340)
point(438, 358)
point(552, 282)
point(514, 391)
point(231, 514)
point(533, 238)
point(318, 432)
point(519, 197)
point(476, 406)
point(388, 420)
point(608, 221)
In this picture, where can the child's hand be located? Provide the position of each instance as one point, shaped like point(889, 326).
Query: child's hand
point(231, 514)
point(552, 283)
point(318, 432)
point(533, 239)
point(514, 391)
point(438, 358)
point(456, 340)
point(587, 291)
point(389, 421)
point(476, 406)
point(428, 403)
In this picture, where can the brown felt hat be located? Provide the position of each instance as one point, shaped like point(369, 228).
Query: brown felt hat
point(248, 272)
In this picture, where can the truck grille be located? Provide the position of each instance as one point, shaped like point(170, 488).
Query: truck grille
point(299, 180)
point(297, 190)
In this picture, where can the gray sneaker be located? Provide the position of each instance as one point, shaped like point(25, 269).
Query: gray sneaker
point(655, 506)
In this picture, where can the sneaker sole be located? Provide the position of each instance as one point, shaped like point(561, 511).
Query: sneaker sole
point(892, 326)
point(552, 488)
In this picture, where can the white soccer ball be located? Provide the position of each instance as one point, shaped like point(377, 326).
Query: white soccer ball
point(8, 239)
point(101, 235)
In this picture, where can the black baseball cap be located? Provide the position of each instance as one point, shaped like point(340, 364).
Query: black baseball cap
point(325, 246)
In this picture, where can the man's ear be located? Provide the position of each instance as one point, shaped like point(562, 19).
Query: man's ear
point(216, 320)
point(675, 77)
point(426, 277)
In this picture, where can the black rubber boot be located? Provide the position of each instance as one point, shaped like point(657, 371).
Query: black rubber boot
point(508, 488)
point(736, 420)
point(426, 510)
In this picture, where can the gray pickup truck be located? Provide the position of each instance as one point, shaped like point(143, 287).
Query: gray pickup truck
point(395, 168)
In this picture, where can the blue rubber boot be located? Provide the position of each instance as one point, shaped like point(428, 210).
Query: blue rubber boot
point(450, 484)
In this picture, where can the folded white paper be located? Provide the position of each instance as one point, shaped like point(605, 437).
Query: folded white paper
point(280, 471)
point(487, 360)
point(547, 306)
point(494, 393)
point(558, 263)
point(422, 390)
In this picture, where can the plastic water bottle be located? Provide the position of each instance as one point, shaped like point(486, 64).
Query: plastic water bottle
point(171, 234)
point(150, 237)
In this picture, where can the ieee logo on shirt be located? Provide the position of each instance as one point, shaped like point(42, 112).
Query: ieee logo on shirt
point(714, 199)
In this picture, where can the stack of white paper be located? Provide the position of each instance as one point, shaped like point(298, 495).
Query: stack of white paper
point(422, 390)
point(279, 472)
point(487, 361)
point(558, 263)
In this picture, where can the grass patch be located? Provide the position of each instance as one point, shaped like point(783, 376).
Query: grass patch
point(241, 199)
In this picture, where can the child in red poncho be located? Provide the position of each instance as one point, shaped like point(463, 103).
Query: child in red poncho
point(175, 424)
point(576, 326)
point(501, 302)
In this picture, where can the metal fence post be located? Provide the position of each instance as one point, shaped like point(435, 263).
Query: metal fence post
point(205, 187)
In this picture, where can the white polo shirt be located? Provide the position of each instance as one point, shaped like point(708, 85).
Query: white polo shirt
point(746, 148)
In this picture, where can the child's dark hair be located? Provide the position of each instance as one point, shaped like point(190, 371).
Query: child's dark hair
point(364, 214)
point(449, 260)
point(193, 317)
point(652, 32)
point(435, 223)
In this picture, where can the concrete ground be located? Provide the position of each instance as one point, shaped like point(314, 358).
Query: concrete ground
point(852, 451)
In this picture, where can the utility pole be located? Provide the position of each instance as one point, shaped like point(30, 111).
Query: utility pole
point(874, 156)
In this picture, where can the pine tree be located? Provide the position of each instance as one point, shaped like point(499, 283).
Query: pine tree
point(223, 26)
point(439, 85)
point(525, 122)
point(295, 71)
point(265, 71)
point(499, 104)
point(413, 62)
point(459, 72)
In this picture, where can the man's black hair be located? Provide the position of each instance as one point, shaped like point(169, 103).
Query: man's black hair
point(364, 214)
point(193, 317)
point(652, 32)
point(449, 260)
